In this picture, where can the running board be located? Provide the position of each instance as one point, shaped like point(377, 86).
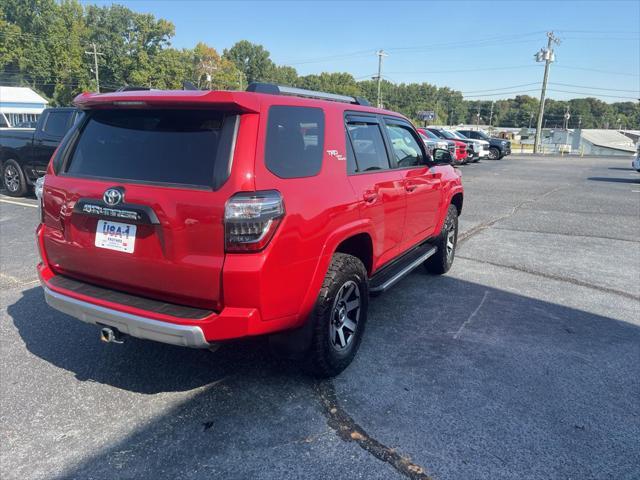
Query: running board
point(394, 272)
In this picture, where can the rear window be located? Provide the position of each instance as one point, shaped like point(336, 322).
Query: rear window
point(56, 124)
point(178, 147)
point(295, 138)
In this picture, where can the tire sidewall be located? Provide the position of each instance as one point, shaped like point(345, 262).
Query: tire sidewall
point(349, 352)
point(22, 188)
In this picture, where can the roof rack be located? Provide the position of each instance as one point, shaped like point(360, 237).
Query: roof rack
point(273, 89)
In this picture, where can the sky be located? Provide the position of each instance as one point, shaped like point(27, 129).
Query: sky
point(483, 48)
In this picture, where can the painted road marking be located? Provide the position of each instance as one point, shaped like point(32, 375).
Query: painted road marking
point(22, 204)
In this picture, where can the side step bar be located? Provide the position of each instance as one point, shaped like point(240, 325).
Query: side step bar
point(392, 273)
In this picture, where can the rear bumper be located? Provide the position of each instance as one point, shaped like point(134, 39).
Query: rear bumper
point(167, 323)
point(134, 325)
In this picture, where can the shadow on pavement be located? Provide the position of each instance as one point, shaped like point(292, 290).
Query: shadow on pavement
point(137, 365)
point(615, 180)
point(469, 381)
point(624, 169)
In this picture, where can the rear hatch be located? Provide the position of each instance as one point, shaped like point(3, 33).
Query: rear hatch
point(138, 202)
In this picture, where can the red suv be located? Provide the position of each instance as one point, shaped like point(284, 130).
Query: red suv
point(195, 217)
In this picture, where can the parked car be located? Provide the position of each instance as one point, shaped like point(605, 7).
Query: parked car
point(457, 149)
point(636, 160)
point(484, 145)
point(275, 211)
point(25, 153)
point(474, 147)
point(498, 147)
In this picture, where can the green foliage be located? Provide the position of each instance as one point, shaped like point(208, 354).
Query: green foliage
point(251, 59)
point(43, 45)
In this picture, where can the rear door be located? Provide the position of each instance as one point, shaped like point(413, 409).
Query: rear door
point(421, 183)
point(379, 187)
point(138, 202)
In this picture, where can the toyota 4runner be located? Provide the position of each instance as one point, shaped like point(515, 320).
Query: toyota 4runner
point(196, 217)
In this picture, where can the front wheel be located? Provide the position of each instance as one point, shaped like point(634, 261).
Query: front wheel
point(441, 261)
point(494, 154)
point(339, 317)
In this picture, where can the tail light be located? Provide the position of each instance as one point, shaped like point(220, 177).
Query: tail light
point(251, 219)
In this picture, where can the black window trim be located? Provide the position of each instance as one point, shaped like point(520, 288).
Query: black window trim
point(374, 119)
point(220, 176)
point(391, 120)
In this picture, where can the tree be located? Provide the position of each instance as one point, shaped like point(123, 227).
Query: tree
point(251, 59)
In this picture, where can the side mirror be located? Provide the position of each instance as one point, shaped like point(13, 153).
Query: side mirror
point(441, 156)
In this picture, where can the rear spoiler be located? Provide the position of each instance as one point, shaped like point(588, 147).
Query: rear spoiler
point(225, 100)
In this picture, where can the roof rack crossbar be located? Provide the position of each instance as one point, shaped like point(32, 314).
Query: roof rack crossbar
point(273, 89)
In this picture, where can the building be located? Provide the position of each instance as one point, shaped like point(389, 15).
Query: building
point(19, 105)
point(602, 142)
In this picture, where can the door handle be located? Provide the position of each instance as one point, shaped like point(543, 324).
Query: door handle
point(410, 187)
point(370, 196)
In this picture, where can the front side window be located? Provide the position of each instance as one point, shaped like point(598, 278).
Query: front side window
point(295, 141)
point(368, 146)
point(405, 146)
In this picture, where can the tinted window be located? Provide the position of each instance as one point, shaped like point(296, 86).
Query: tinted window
point(295, 139)
point(166, 146)
point(3, 121)
point(368, 146)
point(56, 124)
point(405, 146)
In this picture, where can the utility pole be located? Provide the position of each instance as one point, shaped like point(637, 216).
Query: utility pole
point(530, 120)
point(547, 56)
point(95, 54)
point(579, 122)
point(478, 118)
point(567, 116)
point(491, 115)
point(380, 54)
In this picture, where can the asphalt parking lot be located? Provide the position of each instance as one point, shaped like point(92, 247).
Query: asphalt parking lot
point(522, 363)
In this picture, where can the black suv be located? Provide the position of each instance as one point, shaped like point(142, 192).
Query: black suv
point(498, 147)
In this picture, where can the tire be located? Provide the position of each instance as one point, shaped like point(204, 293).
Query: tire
point(13, 179)
point(330, 352)
point(440, 262)
point(494, 154)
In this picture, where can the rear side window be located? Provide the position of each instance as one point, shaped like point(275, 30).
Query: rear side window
point(179, 147)
point(368, 146)
point(295, 139)
point(56, 124)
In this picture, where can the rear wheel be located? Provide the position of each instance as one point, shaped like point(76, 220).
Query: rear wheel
point(494, 154)
point(441, 261)
point(13, 179)
point(339, 317)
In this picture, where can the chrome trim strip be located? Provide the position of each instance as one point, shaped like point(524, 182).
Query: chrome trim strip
point(405, 271)
point(134, 325)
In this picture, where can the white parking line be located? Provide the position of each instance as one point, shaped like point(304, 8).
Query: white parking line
point(22, 204)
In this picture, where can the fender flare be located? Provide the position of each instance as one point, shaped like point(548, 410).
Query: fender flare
point(331, 243)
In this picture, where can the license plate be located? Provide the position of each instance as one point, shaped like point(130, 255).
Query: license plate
point(116, 236)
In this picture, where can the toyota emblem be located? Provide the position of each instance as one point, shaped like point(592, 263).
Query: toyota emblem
point(113, 196)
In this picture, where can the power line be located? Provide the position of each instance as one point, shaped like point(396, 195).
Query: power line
point(595, 88)
point(502, 88)
point(599, 94)
point(599, 71)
